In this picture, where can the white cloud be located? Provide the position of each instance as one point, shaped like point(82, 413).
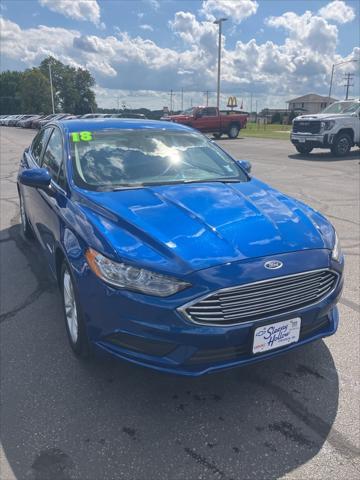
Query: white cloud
point(235, 10)
point(77, 9)
point(337, 11)
point(194, 33)
point(145, 26)
point(300, 64)
point(307, 30)
point(32, 45)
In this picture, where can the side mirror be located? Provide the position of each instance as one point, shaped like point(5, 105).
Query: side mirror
point(197, 114)
point(245, 165)
point(36, 178)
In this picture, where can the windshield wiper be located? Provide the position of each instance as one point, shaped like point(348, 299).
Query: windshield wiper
point(217, 180)
point(129, 186)
point(125, 186)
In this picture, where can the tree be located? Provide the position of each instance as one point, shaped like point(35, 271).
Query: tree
point(29, 91)
point(72, 87)
point(10, 101)
point(57, 74)
point(85, 96)
point(276, 118)
point(34, 91)
point(292, 116)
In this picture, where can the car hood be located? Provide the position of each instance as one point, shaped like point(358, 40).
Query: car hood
point(324, 116)
point(187, 227)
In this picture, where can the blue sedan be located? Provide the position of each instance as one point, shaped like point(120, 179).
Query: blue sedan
point(168, 253)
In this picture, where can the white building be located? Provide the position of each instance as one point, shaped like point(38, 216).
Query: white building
point(311, 103)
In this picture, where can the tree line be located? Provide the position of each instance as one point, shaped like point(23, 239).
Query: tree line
point(29, 91)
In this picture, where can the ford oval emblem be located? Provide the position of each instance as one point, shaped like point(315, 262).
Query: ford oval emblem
point(273, 264)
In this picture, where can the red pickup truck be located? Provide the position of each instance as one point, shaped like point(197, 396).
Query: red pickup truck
point(210, 120)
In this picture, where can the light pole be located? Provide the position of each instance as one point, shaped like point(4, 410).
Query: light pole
point(51, 89)
point(332, 73)
point(219, 22)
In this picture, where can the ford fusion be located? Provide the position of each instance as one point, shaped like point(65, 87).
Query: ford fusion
point(168, 253)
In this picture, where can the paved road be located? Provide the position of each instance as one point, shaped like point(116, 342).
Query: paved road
point(296, 417)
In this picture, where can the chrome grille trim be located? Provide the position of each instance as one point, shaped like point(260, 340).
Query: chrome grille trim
point(257, 301)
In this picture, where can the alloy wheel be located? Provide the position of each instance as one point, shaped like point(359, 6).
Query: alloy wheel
point(23, 214)
point(343, 146)
point(70, 307)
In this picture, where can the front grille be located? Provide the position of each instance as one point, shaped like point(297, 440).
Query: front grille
point(228, 354)
point(306, 126)
point(257, 300)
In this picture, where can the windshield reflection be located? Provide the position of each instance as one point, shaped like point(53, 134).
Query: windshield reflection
point(133, 158)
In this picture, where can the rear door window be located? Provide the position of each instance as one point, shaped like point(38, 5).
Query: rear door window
point(209, 112)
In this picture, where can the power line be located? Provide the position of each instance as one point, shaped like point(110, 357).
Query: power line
point(348, 78)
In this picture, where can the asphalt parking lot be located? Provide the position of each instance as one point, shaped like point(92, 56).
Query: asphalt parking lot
point(295, 417)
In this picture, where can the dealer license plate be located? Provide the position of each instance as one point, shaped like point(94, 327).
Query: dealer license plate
point(275, 335)
point(302, 140)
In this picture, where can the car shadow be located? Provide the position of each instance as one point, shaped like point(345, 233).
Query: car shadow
point(325, 156)
point(111, 419)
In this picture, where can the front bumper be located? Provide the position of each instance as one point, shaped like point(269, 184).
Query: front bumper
point(320, 140)
point(152, 332)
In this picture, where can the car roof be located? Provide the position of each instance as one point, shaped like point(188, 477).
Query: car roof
point(93, 124)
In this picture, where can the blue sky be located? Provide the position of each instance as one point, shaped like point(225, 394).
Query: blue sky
point(138, 50)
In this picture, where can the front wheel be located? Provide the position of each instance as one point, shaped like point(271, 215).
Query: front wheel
point(303, 149)
point(233, 131)
point(342, 145)
point(74, 323)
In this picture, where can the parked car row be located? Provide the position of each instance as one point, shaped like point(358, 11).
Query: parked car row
point(38, 121)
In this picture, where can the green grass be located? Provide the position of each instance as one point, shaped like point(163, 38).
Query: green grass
point(266, 131)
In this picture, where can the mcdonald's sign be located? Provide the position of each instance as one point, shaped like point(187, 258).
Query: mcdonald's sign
point(232, 102)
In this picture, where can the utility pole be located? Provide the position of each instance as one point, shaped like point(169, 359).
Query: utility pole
point(219, 22)
point(171, 100)
point(348, 78)
point(182, 99)
point(331, 82)
point(251, 95)
point(332, 74)
point(207, 97)
point(51, 89)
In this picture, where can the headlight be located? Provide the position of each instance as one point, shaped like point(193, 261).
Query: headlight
point(336, 252)
point(328, 124)
point(133, 278)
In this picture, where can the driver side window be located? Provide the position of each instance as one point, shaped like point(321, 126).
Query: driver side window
point(39, 143)
point(53, 155)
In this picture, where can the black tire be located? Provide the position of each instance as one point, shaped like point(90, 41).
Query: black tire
point(342, 145)
point(25, 225)
point(217, 135)
point(303, 149)
point(233, 131)
point(80, 346)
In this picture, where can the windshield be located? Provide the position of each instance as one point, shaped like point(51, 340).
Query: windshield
point(108, 159)
point(342, 107)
